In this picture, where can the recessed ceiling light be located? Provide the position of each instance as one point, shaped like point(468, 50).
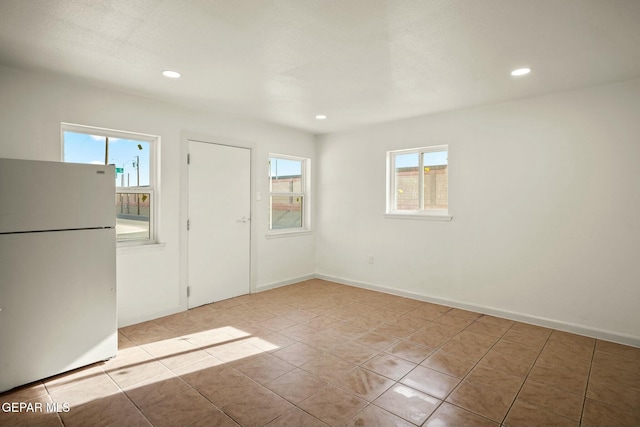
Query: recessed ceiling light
point(171, 74)
point(321, 117)
point(520, 72)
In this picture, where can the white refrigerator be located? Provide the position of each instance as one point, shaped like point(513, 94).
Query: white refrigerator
point(57, 268)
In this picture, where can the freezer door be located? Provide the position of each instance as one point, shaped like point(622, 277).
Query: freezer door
point(57, 303)
point(36, 195)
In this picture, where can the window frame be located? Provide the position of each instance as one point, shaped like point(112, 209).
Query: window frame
point(152, 189)
point(305, 194)
point(391, 200)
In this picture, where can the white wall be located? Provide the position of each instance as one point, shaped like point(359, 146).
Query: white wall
point(152, 279)
point(545, 198)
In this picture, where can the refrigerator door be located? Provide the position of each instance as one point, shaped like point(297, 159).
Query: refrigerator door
point(57, 303)
point(37, 196)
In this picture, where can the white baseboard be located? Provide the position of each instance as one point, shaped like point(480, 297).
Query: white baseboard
point(128, 321)
point(281, 283)
point(520, 317)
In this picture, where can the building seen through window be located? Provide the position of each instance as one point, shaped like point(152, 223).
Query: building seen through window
point(419, 181)
point(288, 193)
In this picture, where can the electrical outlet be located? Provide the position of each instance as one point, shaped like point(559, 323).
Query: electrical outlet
point(370, 259)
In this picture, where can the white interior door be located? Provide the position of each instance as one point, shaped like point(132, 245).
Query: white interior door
point(219, 222)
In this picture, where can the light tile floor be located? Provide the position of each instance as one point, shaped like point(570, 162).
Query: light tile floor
point(318, 353)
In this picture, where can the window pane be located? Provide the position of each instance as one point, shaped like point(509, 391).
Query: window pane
point(436, 182)
point(131, 159)
point(286, 212)
point(435, 158)
point(132, 216)
point(83, 148)
point(285, 176)
point(407, 178)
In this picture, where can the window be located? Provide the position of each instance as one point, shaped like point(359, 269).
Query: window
point(418, 183)
point(288, 193)
point(133, 156)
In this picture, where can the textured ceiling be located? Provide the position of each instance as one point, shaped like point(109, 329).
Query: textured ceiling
point(357, 61)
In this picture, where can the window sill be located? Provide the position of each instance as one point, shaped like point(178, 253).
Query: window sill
point(287, 233)
point(423, 217)
point(129, 246)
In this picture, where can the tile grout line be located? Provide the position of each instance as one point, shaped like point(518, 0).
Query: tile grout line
point(330, 384)
point(171, 370)
point(476, 364)
point(366, 330)
point(436, 349)
point(379, 352)
point(527, 376)
point(586, 390)
point(125, 393)
point(295, 405)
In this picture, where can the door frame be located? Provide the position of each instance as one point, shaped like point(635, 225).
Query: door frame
point(184, 209)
